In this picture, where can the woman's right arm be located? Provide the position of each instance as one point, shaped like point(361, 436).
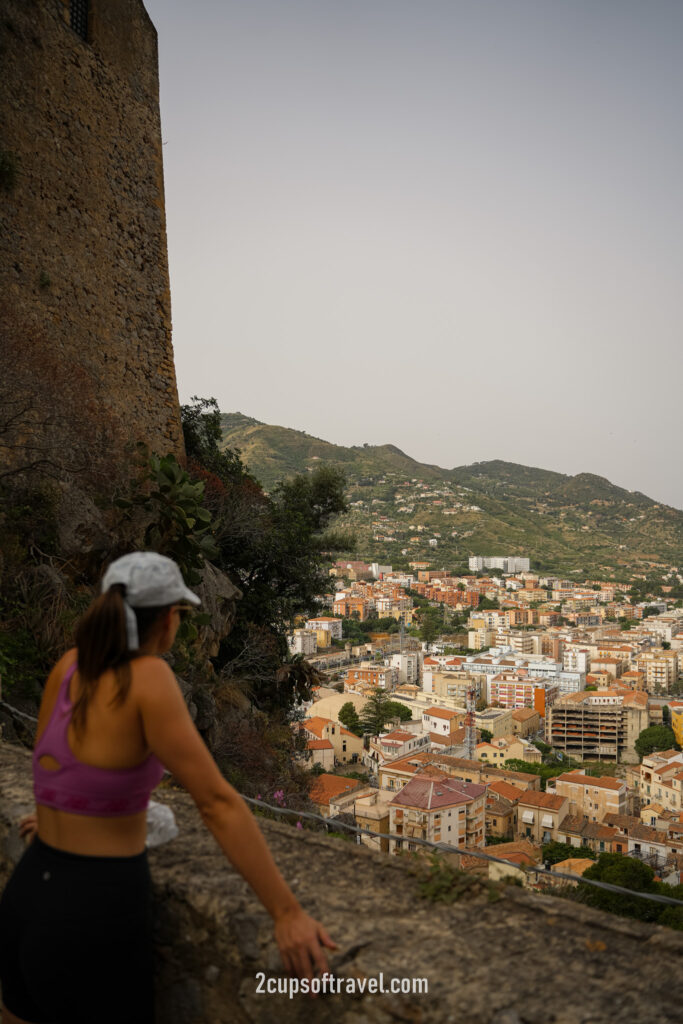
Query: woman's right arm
point(173, 737)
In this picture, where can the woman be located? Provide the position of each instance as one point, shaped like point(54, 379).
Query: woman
point(75, 928)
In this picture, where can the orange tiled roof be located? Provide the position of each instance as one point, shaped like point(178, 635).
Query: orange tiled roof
point(327, 787)
point(319, 745)
point(317, 725)
point(602, 782)
point(440, 713)
point(546, 800)
point(504, 789)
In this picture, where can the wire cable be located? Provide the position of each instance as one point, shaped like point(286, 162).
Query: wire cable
point(444, 848)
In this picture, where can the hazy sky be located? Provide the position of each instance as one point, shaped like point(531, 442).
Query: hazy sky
point(452, 225)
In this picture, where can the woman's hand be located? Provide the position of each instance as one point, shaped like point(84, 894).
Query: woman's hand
point(28, 826)
point(300, 939)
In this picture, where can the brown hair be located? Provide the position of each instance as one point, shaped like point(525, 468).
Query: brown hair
point(102, 643)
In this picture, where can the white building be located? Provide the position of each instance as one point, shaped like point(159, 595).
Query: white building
point(507, 564)
point(408, 665)
point(327, 622)
point(303, 641)
point(380, 571)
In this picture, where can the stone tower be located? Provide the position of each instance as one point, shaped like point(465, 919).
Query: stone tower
point(84, 286)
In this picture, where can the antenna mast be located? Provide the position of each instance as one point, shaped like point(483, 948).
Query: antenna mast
point(470, 726)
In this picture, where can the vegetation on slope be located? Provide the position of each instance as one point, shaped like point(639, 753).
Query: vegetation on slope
point(583, 524)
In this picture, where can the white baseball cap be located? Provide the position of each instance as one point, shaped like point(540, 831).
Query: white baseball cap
point(151, 580)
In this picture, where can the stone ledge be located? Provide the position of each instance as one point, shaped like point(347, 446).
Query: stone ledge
point(524, 959)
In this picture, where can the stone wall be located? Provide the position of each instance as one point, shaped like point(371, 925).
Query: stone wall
point(498, 956)
point(84, 286)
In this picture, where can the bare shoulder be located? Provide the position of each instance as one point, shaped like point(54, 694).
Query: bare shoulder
point(152, 678)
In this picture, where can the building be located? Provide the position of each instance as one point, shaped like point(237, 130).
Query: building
point(676, 709)
point(512, 690)
point(348, 748)
point(303, 641)
point(398, 743)
point(441, 721)
point(327, 788)
point(602, 725)
point(660, 669)
point(456, 685)
point(510, 564)
point(407, 664)
point(525, 722)
point(539, 816)
point(328, 624)
point(498, 721)
point(659, 780)
point(507, 748)
point(396, 774)
point(501, 809)
point(439, 809)
point(369, 676)
point(319, 752)
point(372, 812)
point(591, 798)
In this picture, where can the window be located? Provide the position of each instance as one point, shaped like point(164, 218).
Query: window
point(78, 13)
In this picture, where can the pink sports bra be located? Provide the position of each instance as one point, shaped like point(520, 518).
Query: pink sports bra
point(83, 788)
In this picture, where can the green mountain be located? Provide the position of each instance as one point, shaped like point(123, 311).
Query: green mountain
point(580, 524)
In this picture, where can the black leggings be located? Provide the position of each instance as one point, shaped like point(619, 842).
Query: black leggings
point(76, 939)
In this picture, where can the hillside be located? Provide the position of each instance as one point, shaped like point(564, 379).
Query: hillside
point(580, 524)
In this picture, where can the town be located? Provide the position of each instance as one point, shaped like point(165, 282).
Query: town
point(545, 719)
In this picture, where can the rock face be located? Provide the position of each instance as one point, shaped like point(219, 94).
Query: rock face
point(520, 958)
point(83, 263)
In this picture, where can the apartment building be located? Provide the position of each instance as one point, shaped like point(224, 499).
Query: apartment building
point(395, 774)
point(660, 669)
point(659, 780)
point(676, 709)
point(328, 624)
point(539, 816)
point(506, 564)
point(351, 607)
point(440, 809)
point(397, 743)
point(303, 641)
point(456, 685)
point(591, 798)
point(602, 725)
point(407, 664)
point(512, 690)
point(368, 675)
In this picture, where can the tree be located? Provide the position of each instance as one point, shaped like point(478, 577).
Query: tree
point(666, 715)
point(656, 737)
point(629, 873)
point(486, 736)
point(397, 710)
point(376, 712)
point(348, 716)
point(555, 852)
point(271, 546)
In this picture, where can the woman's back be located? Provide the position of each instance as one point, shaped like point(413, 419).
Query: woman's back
point(107, 771)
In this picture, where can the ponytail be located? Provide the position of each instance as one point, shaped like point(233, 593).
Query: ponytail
point(102, 643)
